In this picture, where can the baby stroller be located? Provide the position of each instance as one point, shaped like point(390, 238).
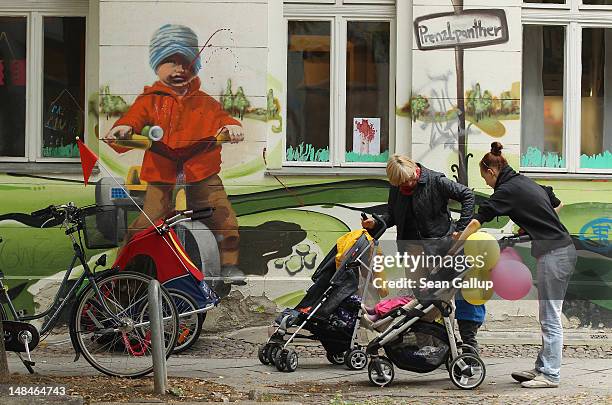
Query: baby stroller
point(330, 311)
point(158, 252)
point(421, 347)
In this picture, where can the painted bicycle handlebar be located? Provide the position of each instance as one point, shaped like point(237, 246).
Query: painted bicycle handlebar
point(151, 134)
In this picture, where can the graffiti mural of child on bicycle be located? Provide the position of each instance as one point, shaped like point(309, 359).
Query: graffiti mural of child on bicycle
point(187, 116)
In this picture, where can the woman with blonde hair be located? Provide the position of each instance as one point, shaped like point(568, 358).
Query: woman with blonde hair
point(418, 208)
point(418, 202)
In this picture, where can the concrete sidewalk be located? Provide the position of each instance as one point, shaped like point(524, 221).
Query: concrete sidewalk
point(588, 379)
point(231, 359)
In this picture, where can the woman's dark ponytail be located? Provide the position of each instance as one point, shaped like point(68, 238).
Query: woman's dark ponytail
point(496, 148)
point(494, 158)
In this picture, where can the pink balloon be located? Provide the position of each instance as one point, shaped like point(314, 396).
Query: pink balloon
point(511, 279)
point(510, 254)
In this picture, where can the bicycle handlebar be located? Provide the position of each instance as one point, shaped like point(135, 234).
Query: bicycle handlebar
point(62, 213)
point(45, 212)
point(150, 135)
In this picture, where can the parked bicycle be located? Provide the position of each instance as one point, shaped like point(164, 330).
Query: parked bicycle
point(109, 322)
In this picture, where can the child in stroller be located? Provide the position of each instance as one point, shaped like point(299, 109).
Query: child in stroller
point(330, 310)
point(412, 342)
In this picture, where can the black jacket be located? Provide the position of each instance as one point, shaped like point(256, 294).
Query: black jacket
point(430, 207)
point(530, 206)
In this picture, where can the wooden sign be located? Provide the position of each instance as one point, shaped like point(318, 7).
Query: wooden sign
point(466, 29)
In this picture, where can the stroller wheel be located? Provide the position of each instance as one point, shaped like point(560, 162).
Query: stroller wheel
point(356, 359)
point(190, 327)
point(380, 372)
point(462, 349)
point(274, 349)
point(467, 371)
point(337, 358)
point(286, 360)
point(465, 348)
point(263, 354)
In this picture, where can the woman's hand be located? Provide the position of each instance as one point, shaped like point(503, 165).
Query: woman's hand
point(369, 223)
point(472, 227)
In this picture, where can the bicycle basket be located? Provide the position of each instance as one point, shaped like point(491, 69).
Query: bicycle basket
point(100, 226)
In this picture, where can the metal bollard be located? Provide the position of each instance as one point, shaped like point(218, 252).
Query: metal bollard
point(160, 372)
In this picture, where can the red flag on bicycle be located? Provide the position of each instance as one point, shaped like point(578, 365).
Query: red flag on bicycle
point(88, 160)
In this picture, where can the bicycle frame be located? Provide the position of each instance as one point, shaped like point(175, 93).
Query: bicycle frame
point(54, 309)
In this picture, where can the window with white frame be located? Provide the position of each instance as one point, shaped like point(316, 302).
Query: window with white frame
point(566, 97)
point(340, 82)
point(42, 79)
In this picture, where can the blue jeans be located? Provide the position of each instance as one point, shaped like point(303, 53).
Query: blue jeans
point(554, 271)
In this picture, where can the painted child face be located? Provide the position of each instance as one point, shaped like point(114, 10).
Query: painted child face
point(174, 71)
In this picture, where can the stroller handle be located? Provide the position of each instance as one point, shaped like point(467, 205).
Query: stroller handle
point(382, 225)
point(509, 241)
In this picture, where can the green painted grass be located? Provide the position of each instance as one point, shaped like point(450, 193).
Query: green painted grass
point(600, 161)
point(305, 152)
point(534, 157)
point(358, 157)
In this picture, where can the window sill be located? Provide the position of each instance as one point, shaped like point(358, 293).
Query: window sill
point(328, 171)
point(43, 168)
point(567, 176)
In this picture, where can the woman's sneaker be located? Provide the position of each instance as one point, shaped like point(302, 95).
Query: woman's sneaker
point(522, 376)
point(539, 382)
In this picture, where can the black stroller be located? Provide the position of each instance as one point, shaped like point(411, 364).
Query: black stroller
point(330, 311)
point(421, 347)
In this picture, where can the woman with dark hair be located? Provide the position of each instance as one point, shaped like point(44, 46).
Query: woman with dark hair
point(535, 209)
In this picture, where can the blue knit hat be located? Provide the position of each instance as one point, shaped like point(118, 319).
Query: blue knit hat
point(171, 39)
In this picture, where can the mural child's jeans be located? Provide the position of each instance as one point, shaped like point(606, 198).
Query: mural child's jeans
point(554, 271)
point(202, 194)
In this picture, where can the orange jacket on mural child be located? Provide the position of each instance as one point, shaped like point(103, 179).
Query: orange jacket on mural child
point(185, 120)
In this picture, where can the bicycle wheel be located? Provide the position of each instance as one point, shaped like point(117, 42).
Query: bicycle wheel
point(190, 326)
point(120, 349)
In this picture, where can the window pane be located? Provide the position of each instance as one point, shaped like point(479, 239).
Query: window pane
point(598, 2)
point(542, 97)
point(596, 140)
point(367, 91)
point(64, 85)
point(12, 85)
point(308, 91)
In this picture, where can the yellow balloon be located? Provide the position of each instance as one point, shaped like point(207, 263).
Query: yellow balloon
point(477, 296)
point(483, 249)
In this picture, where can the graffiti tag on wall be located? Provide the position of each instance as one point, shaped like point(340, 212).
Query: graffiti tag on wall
point(596, 235)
